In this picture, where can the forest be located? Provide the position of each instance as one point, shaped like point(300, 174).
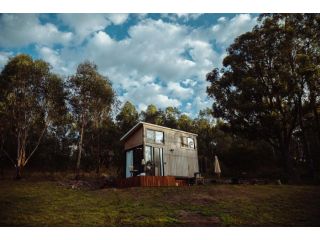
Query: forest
point(264, 121)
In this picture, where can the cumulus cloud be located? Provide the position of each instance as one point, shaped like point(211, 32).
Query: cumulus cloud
point(118, 18)
point(225, 31)
point(86, 24)
point(181, 16)
point(155, 48)
point(18, 30)
point(53, 57)
point(151, 93)
point(154, 51)
point(4, 56)
point(160, 61)
point(181, 92)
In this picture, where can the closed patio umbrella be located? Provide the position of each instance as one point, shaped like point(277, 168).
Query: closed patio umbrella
point(217, 169)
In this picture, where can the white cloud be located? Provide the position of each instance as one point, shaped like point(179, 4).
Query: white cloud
point(178, 91)
point(154, 51)
point(86, 24)
point(189, 82)
point(4, 56)
point(118, 18)
point(158, 63)
point(227, 30)
point(151, 93)
point(181, 16)
point(53, 57)
point(153, 48)
point(201, 103)
point(18, 30)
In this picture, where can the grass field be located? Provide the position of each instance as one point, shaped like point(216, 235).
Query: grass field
point(46, 203)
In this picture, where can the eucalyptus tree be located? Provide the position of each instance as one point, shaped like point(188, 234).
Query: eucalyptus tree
point(258, 89)
point(91, 99)
point(152, 115)
point(185, 123)
point(33, 99)
point(170, 117)
point(127, 117)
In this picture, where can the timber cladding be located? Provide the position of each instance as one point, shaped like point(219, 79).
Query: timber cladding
point(149, 181)
point(178, 160)
point(134, 140)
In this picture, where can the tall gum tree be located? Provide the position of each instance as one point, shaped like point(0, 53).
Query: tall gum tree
point(91, 98)
point(33, 100)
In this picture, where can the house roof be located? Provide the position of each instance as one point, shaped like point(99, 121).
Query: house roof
point(139, 124)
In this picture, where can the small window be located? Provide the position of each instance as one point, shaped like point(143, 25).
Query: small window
point(187, 142)
point(184, 142)
point(155, 136)
point(190, 142)
point(159, 137)
point(150, 135)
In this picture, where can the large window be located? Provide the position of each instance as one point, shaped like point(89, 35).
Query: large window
point(155, 136)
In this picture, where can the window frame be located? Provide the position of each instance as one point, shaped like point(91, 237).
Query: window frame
point(154, 139)
point(186, 145)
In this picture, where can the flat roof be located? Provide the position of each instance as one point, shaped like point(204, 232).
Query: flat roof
point(135, 127)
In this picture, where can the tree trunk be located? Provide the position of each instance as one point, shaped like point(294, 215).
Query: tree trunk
point(79, 152)
point(313, 104)
point(99, 155)
point(20, 161)
point(305, 142)
point(21, 155)
point(316, 119)
point(287, 163)
point(19, 172)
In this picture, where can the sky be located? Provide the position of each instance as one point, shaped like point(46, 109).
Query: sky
point(159, 59)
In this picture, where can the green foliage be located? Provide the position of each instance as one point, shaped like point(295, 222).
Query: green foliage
point(127, 117)
point(92, 99)
point(152, 115)
point(185, 123)
point(33, 99)
point(267, 80)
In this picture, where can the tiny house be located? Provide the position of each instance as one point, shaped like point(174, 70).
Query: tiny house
point(153, 150)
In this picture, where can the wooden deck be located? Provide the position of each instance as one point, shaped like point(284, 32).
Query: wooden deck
point(150, 181)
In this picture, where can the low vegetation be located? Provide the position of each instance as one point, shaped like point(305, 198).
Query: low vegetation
point(51, 203)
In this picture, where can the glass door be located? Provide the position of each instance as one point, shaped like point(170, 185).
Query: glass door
point(158, 161)
point(129, 163)
point(154, 161)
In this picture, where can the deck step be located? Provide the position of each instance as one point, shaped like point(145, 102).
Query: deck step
point(150, 181)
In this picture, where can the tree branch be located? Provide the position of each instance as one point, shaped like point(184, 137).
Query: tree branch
point(38, 143)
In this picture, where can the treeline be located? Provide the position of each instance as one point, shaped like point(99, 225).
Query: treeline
point(53, 124)
point(264, 121)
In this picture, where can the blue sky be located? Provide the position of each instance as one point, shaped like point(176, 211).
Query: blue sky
point(159, 59)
